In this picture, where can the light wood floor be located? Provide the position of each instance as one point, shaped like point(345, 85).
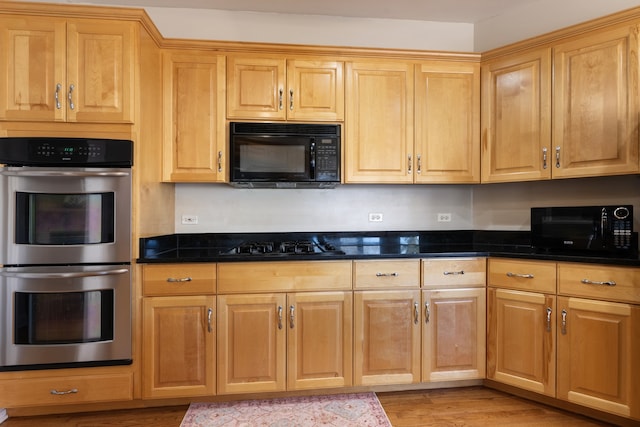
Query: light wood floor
point(473, 406)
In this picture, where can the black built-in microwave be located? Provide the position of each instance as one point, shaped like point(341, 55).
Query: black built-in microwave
point(284, 154)
point(598, 230)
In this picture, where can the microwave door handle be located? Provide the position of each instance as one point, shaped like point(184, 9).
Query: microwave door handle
point(312, 161)
point(604, 223)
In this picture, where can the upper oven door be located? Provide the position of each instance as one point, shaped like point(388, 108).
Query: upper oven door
point(65, 215)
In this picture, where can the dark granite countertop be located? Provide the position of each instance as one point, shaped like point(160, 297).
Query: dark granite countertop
point(216, 247)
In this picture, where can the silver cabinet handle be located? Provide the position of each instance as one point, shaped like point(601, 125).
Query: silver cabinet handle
point(219, 161)
point(523, 276)
point(558, 157)
point(427, 312)
point(62, 393)
point(416, 313)
point(591, 282)
point(387, 274)
point(409, 163)
point(179, 279)
point(209, 317)
point(292, 316)
point(56, 96)
point(280, 92)
point(419, 158)
point(544, 158)
point(70, 96)
point(447, 273)
point(279, 317)
point(549, 311)
point(291, 99)
point(564, 322)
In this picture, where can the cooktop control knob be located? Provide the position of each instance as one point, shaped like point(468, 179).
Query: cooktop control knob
point(621, 213)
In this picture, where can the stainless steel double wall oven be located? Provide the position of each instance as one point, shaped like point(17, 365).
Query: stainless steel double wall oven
point(65, 252)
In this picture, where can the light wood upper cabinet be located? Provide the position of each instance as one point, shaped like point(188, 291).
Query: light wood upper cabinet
point(447, 122)
point(74, 70)
point(598, 350)
point(275, 88)
point(516, 117)
point(379, 137)
point(194, 125)
point(595, 104)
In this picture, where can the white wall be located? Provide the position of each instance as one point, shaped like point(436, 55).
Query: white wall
point(221, 208)
point(541, 17)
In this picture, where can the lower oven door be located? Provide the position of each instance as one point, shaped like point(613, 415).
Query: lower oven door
point(65, 316)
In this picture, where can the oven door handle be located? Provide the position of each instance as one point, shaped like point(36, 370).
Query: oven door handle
point(70, 275)
point(83, 174)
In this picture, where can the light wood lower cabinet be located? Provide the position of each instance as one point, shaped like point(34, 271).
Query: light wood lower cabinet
point(275, 342)
point(387, 337)
point(521, 339)
point(598, 355)
point(179, 330)
point(453, 334)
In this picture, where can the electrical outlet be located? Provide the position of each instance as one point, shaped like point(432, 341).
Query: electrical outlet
point(444, 217)
point(375, 217)
point(189, 219)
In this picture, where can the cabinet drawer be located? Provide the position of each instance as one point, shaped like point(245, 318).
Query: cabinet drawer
point(386, 274)
point(284, 276)
point(178, 279)
point(66, 390)
point(454, 272)
point(538, 276)
point(600, 282)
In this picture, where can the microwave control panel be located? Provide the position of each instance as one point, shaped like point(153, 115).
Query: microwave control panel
point(621, 227)
point(327, 159)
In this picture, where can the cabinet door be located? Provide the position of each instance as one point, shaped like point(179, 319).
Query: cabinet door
point(256, 88)
point(447, 122)
point(387, 337)
point(33, 64)
point(178, 346)
point(100, 71)
point(454, 334)
point(315, 90)
point(319, 340)
point(521, 340)
point(598, 355)
point(378, 143)
point(516, 118)
point(251, 343)
point(595, 119)
point(194, 125)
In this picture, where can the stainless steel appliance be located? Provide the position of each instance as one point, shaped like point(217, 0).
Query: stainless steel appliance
point(284, 155)
point(601, 230)
point(65, 247)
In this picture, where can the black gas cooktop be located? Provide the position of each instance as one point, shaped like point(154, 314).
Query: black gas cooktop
point(283, 248)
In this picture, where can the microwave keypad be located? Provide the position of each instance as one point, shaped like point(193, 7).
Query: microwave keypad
point(622, 234)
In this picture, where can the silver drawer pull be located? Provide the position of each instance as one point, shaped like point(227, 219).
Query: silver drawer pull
point(62, 393)
point(447, 273)
point(178, 280)
point(387, 274)
point(591, 282)
point(524, 276)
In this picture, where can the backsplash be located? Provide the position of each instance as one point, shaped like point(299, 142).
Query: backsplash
point(221, 208)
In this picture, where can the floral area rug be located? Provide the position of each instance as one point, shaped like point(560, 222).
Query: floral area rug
point(341, 410)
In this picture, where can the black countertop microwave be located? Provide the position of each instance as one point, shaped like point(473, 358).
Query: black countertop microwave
point(605, 230)
point(286, 155)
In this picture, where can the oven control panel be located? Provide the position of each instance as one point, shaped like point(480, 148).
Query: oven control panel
point(42, 151)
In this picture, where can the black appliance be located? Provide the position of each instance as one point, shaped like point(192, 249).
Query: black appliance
point(283, 248)
point(284, 155)
point(598, 230)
